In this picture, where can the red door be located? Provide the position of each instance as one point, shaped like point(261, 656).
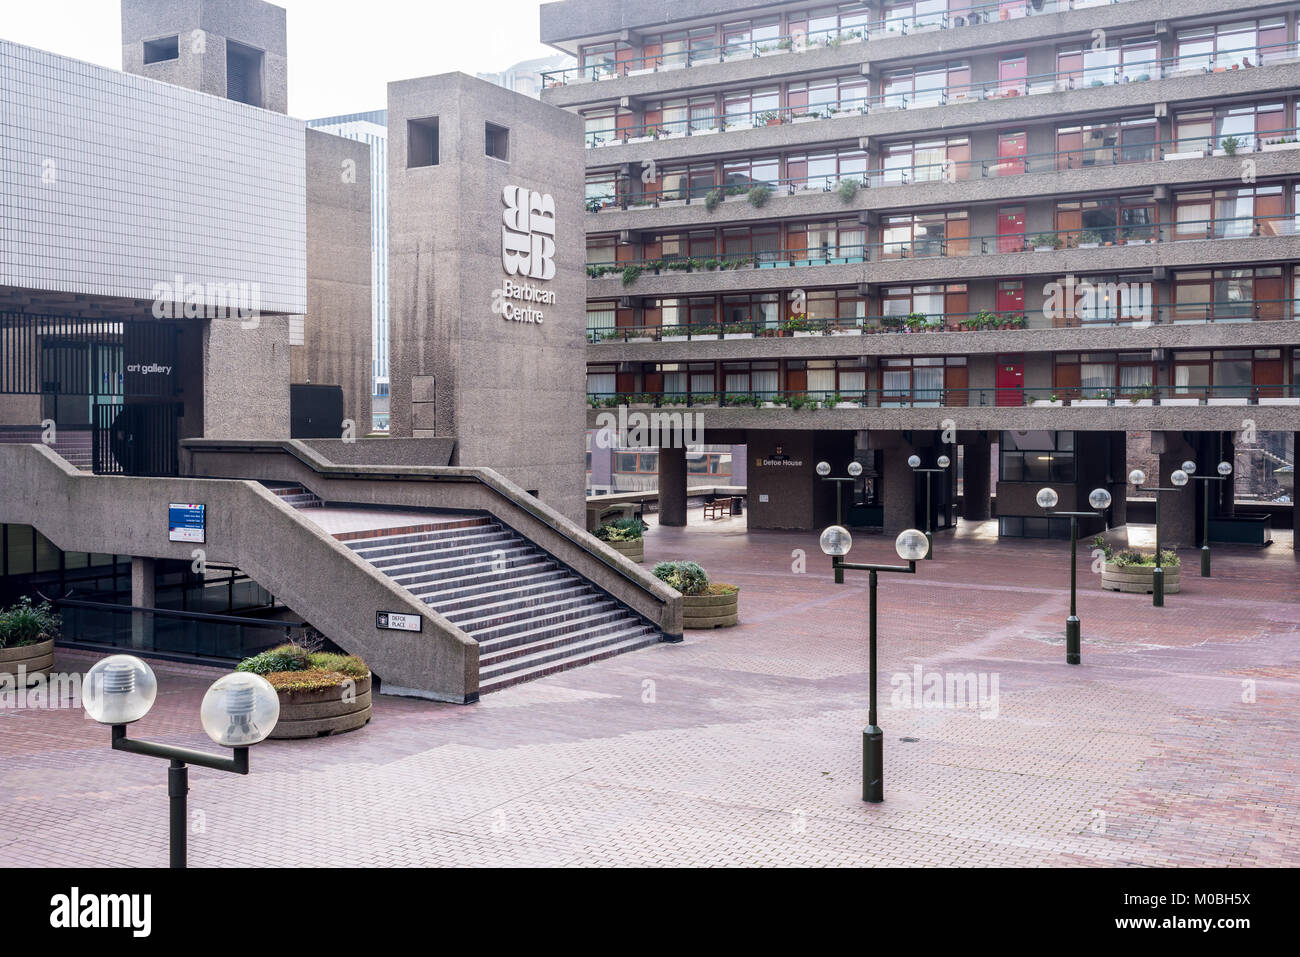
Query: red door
point(1012, 148)
point(1013, 69)
point(1011, 380)
point(1011, 229)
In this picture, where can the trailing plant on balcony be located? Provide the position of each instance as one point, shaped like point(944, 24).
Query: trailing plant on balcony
point(1088, 236)
point(916, 321)
point(768, 118)
point(848, 188)
point(891, 322)
point(631, 274)
point(759, 195)
point(1146, 392)
point(1046, 240)
point(742, 398)
point(595, 272)
point(736, 328)
point(712, 199)
point(1012, 321)
point(797, 323)
point(1230, 145)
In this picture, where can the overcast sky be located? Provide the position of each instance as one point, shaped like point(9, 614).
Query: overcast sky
point(342, 53)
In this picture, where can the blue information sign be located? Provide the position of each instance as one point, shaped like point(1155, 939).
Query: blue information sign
point(186, 523)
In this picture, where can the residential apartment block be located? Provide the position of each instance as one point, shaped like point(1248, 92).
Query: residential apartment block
point(877, 229)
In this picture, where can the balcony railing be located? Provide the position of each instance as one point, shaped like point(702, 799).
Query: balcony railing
point(1082, 313)
point(1059, 81)
point(1139, 396)
point(972, 15)
point(956, 170)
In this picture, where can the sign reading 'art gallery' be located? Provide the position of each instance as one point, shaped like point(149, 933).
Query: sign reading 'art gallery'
point(528, 252)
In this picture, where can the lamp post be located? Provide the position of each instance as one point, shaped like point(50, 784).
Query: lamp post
point(1099, 499)
point(914, 461)
point(238, 711)
point(910, 546)
point(824, 471)
point(1179, 479)
point(1224, 469)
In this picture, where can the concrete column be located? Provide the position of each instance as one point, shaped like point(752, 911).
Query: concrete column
point(142, 596)
point(1177, 509)
point(975, 481)
point(672, 485)
point(898, 488)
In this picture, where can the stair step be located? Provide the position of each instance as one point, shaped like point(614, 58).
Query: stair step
point(523, 670)
point(381, 544)
point(528, 630)
point(438, 558)
point(492, 663)
point(437, 593)
point(489, 616)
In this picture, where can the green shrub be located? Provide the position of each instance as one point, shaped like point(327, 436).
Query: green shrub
point(349, 665)
point(759, 195)
point(1131, 557)
point(282, 658)
point(686, 577)
point(848, 188)
point(27, 624)
point(622, 530)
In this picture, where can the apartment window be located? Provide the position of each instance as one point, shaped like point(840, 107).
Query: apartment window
point(1197, 130)
point(1107, 221)
point(1036, 456)
point(926, 161)
point(1229, 213)
point(1104, 144)
point(1230, 295)
point(161, 50)
point(243, 73)
point(496, 141)
point(422, 142)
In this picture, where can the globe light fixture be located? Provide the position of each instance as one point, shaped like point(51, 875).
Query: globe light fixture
point(823, 469)
point(1179, 478)
point(119, 690)
point(944, 461)
point(239, 709)
point(836, 541)
point(1137, 477)
point(911, 545)
point(1099, 499)
point(855, 469)
point(1047, 498)
point(1225, 468)
point(1189, 467)
point(914, 461)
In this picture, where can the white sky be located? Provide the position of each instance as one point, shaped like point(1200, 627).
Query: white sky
point(342, 53)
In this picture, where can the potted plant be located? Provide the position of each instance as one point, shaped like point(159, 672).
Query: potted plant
point(27, 634)
point(1143, 396)
point(768, 118)
point(1130, 570)
point(737, 330)
point(892, 323)
point(847, 189)
point(798, 325)
point(1229, 145)
point(759, 195)
point(705, 604)
point(1045, 242)
point(1055, 401)
point(631, 274)
point(711, 199)
point(321, 693)
point(625, 536)
point(1089, 240)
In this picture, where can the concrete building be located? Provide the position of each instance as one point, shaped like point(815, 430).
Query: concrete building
point(371, 128)
point(184, 274)
point(1013, 233)
point(486, 292)
point(526, 76)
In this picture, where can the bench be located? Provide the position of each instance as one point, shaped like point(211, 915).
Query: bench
point(719, 508)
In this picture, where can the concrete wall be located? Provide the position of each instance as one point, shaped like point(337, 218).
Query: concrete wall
point(246, 378)
point(202, 27)
point(511, 393)
point(337, 331)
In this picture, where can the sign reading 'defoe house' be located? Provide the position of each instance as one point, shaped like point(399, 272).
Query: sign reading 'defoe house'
point(527, 251)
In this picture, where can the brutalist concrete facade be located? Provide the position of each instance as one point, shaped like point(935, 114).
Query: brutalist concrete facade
point(626, 73)
point(502, 375)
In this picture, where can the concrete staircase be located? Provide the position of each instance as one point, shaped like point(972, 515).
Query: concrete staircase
point(294, 495)
point(530, 614)
point(75, 445)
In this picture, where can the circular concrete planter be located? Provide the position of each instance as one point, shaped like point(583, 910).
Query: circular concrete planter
point(315, 714)
point(710, 611)
point(1137, 578)
point(35, 660)
point(633, 551)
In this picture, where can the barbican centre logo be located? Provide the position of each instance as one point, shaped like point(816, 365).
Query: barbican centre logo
point(528, 252)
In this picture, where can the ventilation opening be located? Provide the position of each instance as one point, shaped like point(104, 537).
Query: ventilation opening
point(158, 51)
point(422, 142)
point(496, 141)
point(243, 74)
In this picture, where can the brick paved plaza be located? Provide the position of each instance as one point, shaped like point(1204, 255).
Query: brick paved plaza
point(742, 746)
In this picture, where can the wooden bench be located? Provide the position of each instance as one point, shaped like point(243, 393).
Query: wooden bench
point(718, 508)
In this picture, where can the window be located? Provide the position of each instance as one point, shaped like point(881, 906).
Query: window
point(422, 142)
point(243, 73)
point(1036, 456)
point(158, 51)
point(496, 141)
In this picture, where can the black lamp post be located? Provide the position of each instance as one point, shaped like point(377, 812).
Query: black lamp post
point(1099, 499)
point(915, 462)
point(910, 545)
point(239, 710)
point(1224, 469)
point(824, 471)
point(1179, 479)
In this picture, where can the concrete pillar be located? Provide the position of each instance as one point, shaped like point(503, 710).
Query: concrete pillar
point(1177, 509)
point(1118, 483)
point(975, 480)
point(142, 596)
point(672, 485)
point(898, 487)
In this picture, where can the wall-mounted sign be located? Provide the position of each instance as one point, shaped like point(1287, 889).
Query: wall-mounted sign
point(527, 251)
point(777, 459)
point(398, 621)
point(186, 523)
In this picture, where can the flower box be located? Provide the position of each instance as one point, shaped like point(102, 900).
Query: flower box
point(1137, 579)
point(806, 119)
point(633, 551)
point(1089, 246)
point(711, 611)
point(1141, 401)
point(738, 335)
point(1180, 401)
point(848, 405)
point(1277, 147)
point(1188, 154)
point(674, 338)
point(1044, 249)
point(1054, 403)
point(1279, 400)
point(641, 72)
point(1227, 400)
point(324, 711)
point(32, 661)
point(1089, 402)
point(799, 333)
point(665, 203)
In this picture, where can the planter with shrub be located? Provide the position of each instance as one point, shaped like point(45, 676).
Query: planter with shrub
point(1129, 570)
point(705, 604)
point(625, 536)
point(27, 634)
point(321, 693)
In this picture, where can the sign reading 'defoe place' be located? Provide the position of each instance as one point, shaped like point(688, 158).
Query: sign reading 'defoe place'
point(186, 523)
point(527, 251)
point(395, 621)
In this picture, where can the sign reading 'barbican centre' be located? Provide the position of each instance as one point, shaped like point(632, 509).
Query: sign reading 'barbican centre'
point(528, 252)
